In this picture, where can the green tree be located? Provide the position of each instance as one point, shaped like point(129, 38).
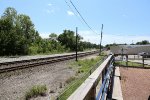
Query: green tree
point(17, 33)
point(68, 39)
point(53, 36)
point(144, 42)
point(8, 36)
point(19, 37)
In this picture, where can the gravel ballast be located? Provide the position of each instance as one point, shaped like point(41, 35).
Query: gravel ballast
point(15, 84)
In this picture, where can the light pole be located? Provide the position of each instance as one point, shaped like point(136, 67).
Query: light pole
point(101, 39)
point(76, 43)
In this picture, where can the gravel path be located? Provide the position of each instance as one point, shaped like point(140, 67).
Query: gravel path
point(135, 83)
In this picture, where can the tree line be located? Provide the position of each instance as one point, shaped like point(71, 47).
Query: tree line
point(143, 42)
point(18, 36)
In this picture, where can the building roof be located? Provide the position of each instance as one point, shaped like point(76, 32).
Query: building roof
point(130, 49)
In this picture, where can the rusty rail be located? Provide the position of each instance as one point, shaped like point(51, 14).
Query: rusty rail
point(22, 64)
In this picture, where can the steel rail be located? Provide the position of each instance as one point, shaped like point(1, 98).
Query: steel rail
point(22, 64)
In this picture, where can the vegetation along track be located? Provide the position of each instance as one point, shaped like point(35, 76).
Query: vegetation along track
point(16, 65)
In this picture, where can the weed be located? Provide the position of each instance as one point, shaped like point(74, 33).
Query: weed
point(60, 85)
point(38, 90)
point(52, 91)
point(69, 80)
point(84, 67)
point(70, 67)
point(92, 59)
point(79, 71)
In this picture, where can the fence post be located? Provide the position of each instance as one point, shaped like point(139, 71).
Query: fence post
point(143, 60)
point(103, 75)
point(93, 93)
point(126, 60)
point(87, 90)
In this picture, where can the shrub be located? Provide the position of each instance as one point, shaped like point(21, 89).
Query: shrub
point(70, 80)
point(38, 90)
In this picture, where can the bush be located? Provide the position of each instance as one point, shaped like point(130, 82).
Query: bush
point(33, 50)
point(70, 80)
point(38, 90)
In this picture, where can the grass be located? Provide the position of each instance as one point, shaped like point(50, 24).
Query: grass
point(72, 87)
point(84, 68)
point(38, 90)
point(132, 64)
point(104, 53)
point(85, 65)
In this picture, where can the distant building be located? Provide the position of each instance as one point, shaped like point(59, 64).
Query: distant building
point(130, 49)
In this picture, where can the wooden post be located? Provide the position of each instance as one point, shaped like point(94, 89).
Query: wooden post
point(93, 93)
point(126, 60)
point(103, 75)
point(143, 60)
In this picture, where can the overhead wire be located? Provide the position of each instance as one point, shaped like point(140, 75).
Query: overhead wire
point(80, 16)
point(85, 22)
point(73, 11)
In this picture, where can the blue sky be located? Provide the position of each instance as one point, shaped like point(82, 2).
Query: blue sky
point(124, 20)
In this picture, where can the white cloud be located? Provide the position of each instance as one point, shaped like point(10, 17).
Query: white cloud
point(51, 8)
point(70, 13)
point(44, 34)
point(109, 39)
point(89, 36)
point(49, 4)
point(124, 15)
point(50, 11)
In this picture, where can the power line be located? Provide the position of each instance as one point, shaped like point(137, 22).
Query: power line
point(82, 18)
point(73, 11)
point(68, 5)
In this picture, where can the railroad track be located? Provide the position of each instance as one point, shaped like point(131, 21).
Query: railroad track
point(22, 64)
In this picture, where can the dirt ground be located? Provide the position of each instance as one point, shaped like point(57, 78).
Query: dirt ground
point(14, 85)
point(135, 83)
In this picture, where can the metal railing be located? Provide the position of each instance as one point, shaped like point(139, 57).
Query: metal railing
point(106, 82)
point(87, 90)
point(79, 81)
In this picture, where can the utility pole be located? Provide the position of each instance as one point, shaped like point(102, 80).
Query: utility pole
point(122, 53)
point(143, 59)
point(101, 39)
point(76, 43)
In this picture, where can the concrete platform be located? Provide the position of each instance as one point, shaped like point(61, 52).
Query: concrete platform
point(117, 92)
